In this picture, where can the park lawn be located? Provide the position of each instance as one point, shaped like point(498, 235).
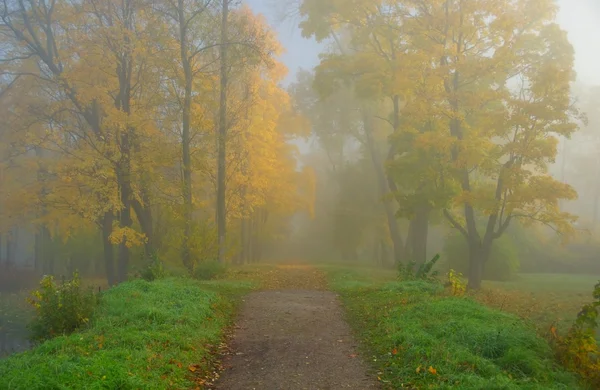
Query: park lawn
point(416, 336)
point(544, 299)
point(160, 334)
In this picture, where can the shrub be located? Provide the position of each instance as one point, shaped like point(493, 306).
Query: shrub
point(502, 265)
point(154, 270)
point(578, 350)
point(61, 308)
point(424, 272)
point(208, 270)
point(457, 285)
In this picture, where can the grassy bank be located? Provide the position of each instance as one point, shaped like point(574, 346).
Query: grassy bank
point(144, 335)
point(544, 299)
point(416, 336)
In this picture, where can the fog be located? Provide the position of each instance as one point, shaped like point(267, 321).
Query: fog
point(152, 134)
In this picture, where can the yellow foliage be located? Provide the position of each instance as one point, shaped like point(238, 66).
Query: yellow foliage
point(458, 287)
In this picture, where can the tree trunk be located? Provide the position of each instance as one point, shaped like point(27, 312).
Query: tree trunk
point(144, 216)
point(222, 136)
point(479, 253)
point(416, 241)
point(109, 262)
point(244, 239)
point(38, 260)
point(125, 220)
point(185, 134)
point(475, 269)
point(123, 103)
point(384, 189)
point(42, 255)
point(10, 248)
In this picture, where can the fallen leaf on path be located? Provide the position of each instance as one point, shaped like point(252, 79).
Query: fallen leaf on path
point(353, 355)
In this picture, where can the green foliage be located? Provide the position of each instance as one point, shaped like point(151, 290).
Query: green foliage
point(61, 308)
point(502, 265)
point(419, 338)
point(144, 336)
point(208, 270)
point(154, 270)
point(424, 272)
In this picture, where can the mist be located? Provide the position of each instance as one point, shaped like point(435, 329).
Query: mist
point(450, 145)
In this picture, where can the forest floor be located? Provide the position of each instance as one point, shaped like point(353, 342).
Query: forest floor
point(292, 335)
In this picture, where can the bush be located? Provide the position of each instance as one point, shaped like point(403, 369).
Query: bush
point(154, 270)
point(502, 265)
point(60, 308)
point(425, 271)
point(208, 270)
point(579, 350)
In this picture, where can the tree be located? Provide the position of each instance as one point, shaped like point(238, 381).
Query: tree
point(222, 135)
point(65, 50)
point(499, 75)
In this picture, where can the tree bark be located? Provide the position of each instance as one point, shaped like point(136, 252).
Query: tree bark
point(125, 220)
point(222, 136)
point(123, 103)
point(384, 189)
point(42, 253)
point(143, 213)
point(108, 253)
point(10, 247)
point(475, 268)
point(244, 239)
point(479, 253)
point(416, 241)
point(185, 135)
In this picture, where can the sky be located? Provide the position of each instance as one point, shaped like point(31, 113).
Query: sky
point(581, 19)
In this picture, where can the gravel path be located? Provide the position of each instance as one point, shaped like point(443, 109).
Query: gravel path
point(293, 339)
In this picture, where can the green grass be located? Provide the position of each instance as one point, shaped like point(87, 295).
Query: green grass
point(143, 335)
point(408, 327)
point(545, 299)
point(541, 283)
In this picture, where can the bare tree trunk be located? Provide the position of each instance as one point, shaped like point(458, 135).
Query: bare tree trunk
point(125, 220)
point(10, 248)
point(416, 241)
point(109, 262)
point(123, 103)
point(42, 253)
point(185, 135)
point(222, 136)
point(144, 216)
point(383, 183)
point(244, 239)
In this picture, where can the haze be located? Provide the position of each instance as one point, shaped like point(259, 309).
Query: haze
point(299, 194)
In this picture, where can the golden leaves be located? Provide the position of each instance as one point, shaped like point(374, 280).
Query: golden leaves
point(128, 235)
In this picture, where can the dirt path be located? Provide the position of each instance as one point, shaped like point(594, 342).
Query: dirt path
point(293, 339)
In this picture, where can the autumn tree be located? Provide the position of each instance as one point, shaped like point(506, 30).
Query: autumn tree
point(496, 75)
point(92, 113)
point(366, 55)
point(352, 141)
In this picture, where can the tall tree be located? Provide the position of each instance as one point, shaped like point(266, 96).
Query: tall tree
point(501, 71)
point(222, 134)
